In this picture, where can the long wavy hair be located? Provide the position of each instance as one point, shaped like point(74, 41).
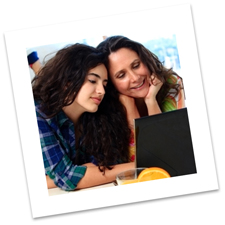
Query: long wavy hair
point(56, 86)
point(149, 59)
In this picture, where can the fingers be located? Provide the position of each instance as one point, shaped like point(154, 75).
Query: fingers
point(153, 80)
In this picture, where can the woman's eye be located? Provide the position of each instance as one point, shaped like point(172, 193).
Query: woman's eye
point(121, 75)
point(92, 81)
point(136, 65)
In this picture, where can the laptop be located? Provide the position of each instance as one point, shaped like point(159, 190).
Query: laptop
point(164, 140)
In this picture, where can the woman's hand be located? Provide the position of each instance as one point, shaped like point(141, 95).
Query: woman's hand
point(155, 86)
point(130, 105)
point(150, 98)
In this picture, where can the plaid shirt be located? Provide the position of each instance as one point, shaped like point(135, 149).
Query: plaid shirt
point(57, 137)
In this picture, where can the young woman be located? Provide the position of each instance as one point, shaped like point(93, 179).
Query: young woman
point(139, 81)
point(78, 140)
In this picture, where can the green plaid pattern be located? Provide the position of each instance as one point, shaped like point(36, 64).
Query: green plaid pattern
point(57, 137)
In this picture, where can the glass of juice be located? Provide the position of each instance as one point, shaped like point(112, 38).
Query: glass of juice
point(128, 176)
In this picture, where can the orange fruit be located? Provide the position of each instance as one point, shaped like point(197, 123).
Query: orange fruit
point(130, 181)
point(152, 173)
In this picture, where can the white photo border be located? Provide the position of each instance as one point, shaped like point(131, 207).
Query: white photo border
point(173, 19)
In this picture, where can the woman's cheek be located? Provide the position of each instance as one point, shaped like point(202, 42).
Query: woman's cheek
point(120, 86)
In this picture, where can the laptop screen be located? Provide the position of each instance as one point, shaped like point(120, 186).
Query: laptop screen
point(164, 140)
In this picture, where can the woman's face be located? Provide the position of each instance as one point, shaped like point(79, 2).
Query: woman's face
point(93, 90)
point(128, 74)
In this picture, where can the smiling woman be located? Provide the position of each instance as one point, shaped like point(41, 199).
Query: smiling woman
point(128, 74)
point(74, 120)
point(139, 82)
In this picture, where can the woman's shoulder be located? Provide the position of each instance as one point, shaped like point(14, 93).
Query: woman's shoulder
point(38, 108)
point(40, 112)
point(174, 79)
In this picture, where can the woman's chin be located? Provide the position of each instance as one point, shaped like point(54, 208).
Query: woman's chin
point(140, 94)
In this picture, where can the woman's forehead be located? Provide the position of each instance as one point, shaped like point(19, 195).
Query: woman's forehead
point(122, 54)
point(99, 71)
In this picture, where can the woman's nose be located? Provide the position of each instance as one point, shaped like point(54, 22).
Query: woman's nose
point(133, 76)
point(100, 89)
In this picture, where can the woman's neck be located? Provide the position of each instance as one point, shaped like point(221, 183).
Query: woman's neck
point(73, 112)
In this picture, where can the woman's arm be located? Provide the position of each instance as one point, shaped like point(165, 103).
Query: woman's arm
point(36, 67)
point(181, 97)
point(150, 99)
point(50, 182)
point(94, 177)
point(34, 62)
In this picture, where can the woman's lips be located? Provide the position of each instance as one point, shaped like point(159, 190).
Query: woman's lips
point(139, 86)
point(96, 100)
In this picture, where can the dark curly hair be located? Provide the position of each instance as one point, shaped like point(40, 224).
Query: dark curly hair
point(56, 86)
point(114, 43)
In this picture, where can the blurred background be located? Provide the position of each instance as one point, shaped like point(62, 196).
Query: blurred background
point(164, 47)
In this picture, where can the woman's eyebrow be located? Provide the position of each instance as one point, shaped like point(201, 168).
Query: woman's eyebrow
point(134, 61)
point(96, 75)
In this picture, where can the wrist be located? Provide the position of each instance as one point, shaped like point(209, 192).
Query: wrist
point(153, 107)
point(151, 101)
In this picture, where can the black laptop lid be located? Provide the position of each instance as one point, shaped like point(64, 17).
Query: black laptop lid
point(164, 140)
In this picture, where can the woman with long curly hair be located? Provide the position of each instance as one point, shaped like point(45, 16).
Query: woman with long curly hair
point(139, 82)
point(78, 138)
